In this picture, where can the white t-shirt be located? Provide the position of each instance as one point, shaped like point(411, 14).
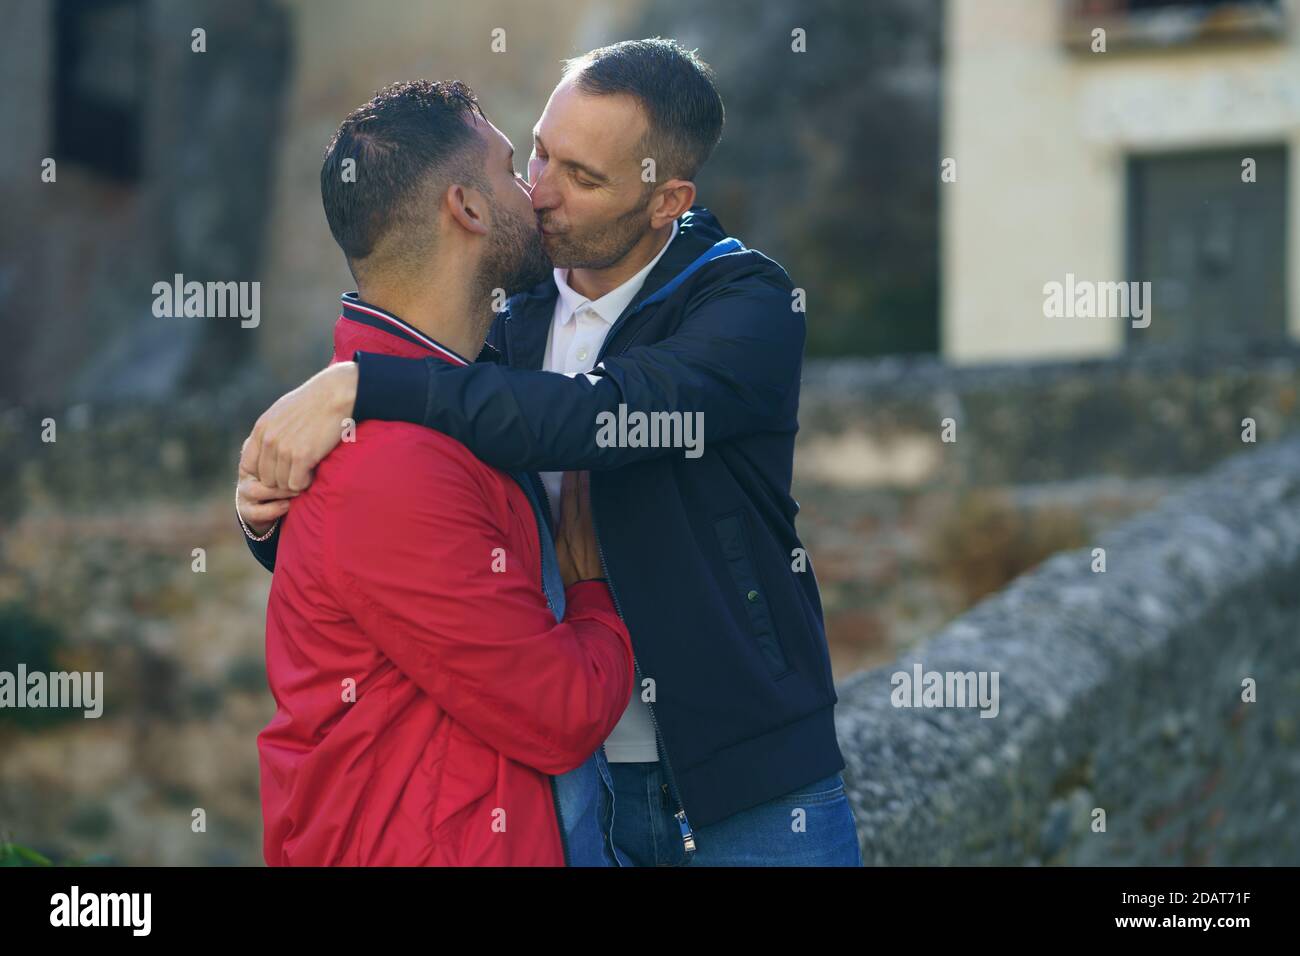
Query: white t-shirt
point(578, 329)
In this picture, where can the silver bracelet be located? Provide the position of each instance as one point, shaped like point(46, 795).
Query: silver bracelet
point(252, 537)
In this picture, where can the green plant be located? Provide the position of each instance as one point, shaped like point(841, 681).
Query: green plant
point(11, 854)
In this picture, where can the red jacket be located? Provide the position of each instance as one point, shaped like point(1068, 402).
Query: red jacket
point(423, 689)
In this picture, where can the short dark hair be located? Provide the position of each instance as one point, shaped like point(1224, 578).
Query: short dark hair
point(674, 87)
point(410, 137)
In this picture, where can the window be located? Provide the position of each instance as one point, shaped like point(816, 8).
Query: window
point(99, 80)
point(1165, 23)
point(1212, 246)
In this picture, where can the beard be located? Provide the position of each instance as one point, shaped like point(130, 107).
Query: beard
point(603, 246)
point(516, 260)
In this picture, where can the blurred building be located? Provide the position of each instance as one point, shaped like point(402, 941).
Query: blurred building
point(138, 150)
point(1108, 140)
point(132, 157)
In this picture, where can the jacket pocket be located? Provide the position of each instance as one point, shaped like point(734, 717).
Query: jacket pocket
point(733, 538)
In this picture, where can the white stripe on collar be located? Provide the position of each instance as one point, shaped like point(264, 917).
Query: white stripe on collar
point(353, 303)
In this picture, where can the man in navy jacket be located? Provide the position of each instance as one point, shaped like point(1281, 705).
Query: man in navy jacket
point(683, 352)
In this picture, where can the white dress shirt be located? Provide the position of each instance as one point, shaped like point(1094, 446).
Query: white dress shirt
point(578, 329)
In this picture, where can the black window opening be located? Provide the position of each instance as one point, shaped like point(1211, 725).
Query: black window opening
point(99, 83)
point(1225, 7)
point(1213, 246)
point(1137, 24)
point(1140, 5)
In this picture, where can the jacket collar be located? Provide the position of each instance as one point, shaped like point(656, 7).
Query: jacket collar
point(401, 338)
point(528, 321)
point(610, 305)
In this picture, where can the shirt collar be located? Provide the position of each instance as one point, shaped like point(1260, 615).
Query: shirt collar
point(610, 305)
point(357, 310)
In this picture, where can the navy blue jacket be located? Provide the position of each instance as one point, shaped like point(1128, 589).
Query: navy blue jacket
point(701, 553)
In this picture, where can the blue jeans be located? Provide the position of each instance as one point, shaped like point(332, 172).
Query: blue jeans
point(812, 826)
point(585, 796)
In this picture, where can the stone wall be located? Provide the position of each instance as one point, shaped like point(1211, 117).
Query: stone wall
point(1120, 690)
point(1157, 410)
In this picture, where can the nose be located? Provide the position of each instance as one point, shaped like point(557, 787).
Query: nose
point(539, 186)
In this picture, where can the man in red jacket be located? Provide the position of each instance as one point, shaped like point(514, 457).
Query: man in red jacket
point(426, 692)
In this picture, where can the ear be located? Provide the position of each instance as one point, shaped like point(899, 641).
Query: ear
point(468, 208)
point(672, 199)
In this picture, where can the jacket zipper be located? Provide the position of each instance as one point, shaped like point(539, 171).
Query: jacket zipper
point(688, 837)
